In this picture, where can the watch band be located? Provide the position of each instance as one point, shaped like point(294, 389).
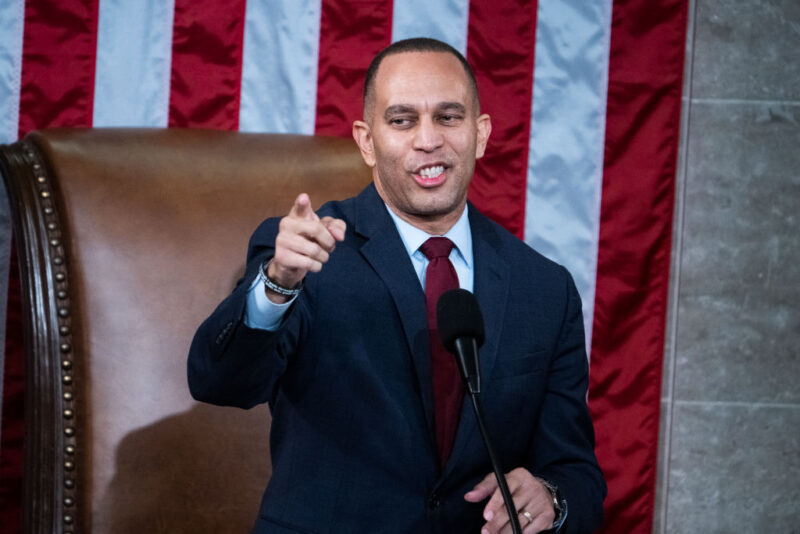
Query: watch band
point(272, 286)
point(559, 504)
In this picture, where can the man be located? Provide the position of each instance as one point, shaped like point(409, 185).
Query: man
point(370, 432)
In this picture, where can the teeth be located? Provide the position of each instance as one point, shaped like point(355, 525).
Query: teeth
point(430, 172)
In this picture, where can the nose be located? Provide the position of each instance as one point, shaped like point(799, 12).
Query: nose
point(427, 137)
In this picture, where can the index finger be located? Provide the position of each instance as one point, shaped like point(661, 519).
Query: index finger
point(302, 209)
point(495, 505)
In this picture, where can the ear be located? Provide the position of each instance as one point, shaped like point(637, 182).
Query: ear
point(363, 136)
point(484, 124)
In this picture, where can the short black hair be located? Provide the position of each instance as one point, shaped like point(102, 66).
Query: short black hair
point(415, 44)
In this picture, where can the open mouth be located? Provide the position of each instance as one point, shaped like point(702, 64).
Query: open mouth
point(430, 176)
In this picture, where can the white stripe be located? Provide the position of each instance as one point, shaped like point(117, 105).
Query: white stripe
point(12, 19)
point(565, 167)
point(134, 58)
point(279, 67)
point(445, 20)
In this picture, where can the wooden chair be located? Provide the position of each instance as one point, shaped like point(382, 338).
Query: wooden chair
point(126, 240)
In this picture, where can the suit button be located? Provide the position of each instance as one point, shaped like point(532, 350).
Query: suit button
point(433, 502)
point(225, 331)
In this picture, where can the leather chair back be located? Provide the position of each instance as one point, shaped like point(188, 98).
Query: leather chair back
point(126, 240)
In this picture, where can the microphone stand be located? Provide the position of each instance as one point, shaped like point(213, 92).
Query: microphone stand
point(471, 376)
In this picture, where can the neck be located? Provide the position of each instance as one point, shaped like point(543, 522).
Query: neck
point(433, 224)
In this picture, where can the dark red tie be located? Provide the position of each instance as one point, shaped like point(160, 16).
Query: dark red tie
point(447, 388)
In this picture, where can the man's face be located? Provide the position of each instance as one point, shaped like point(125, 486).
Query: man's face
point(422, 137)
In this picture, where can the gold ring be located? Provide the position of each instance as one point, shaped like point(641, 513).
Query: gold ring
point(528, 516)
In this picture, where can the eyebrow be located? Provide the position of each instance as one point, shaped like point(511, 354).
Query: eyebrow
point(399, 109)
point(451, 106)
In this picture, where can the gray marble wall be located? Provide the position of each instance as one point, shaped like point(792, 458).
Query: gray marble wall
point(730, 424)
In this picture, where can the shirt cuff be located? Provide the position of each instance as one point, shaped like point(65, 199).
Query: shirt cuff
point(260, 312)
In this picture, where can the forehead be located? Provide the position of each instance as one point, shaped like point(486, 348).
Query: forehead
point(420, 78)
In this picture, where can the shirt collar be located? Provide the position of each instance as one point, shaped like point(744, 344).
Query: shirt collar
point(460, 234)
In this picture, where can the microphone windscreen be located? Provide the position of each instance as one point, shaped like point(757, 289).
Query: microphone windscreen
point(458, 315)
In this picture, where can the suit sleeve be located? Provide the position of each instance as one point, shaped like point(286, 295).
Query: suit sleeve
point(563, 448)
point(231, 364)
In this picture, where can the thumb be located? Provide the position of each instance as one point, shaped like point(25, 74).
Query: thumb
point(336, 227)
point(302, 208)
point(483, 489)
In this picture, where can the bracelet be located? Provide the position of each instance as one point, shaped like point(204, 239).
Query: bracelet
point(272, 286)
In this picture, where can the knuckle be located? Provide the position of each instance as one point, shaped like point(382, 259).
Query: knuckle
point(316, 251)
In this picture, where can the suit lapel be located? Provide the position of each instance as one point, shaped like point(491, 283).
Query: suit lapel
point(384, 251)
point(491, 287)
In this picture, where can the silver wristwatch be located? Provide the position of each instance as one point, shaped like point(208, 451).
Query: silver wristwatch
point(559, 504)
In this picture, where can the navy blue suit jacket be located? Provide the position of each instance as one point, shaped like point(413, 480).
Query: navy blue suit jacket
point(348, 380)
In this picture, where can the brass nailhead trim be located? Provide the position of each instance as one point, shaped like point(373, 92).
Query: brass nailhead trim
point(58, 261)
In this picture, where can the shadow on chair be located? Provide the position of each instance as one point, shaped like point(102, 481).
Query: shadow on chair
point(126, 241)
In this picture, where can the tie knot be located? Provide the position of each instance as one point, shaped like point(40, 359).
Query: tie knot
point(437, 247)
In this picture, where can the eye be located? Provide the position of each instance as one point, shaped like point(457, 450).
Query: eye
point(400, 122)
point(449, 118)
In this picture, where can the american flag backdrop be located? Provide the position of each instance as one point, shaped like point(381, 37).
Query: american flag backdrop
point(584, 97)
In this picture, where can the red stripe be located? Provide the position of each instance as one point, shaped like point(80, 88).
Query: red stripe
point(644, 92)
point(13, 414)
point(207, 43)
point(500, 47)
point(58, 64)
point(351, 33)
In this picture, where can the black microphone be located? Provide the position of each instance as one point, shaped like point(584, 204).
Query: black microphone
point(460, 323)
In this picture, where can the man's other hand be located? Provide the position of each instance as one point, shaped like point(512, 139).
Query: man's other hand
point(304, 243)
point(529, 496)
